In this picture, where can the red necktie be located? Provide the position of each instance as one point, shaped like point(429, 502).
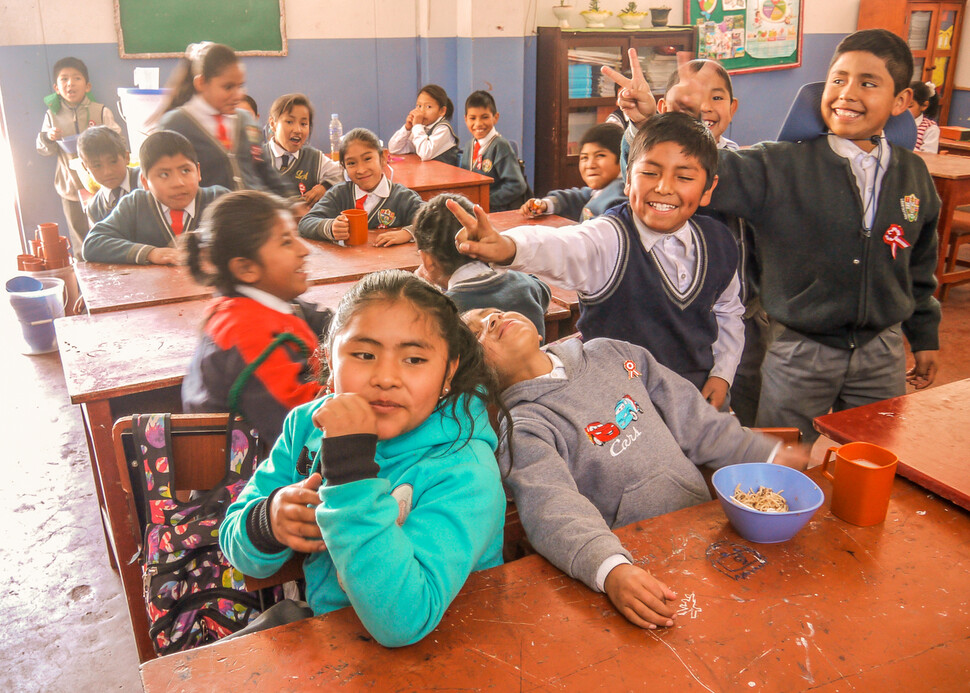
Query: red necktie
point(178, 216)
point(360, 202)
point(476, 152)
point(221, 133)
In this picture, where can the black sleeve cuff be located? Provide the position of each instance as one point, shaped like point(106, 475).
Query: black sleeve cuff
point(258, 527)
point(349, 458)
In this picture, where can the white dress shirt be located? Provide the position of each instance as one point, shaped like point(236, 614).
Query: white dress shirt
point(418, 141)
point(869, 168)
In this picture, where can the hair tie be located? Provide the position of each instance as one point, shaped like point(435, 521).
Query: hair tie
point(932, 88)
point(194, 53)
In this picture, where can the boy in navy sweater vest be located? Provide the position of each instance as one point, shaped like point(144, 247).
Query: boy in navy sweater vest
point(647, 272)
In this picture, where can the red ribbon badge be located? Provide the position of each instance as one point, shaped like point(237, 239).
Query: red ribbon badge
point(894, 238)
point(631, 369)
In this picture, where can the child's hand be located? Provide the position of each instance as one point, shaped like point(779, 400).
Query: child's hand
point(635, 98)
point(533, 207)
point(715, 391)
point(53, 134)
point(478, 239)
point(292, 515)
point(393, 237)
point(341, 228)
point(345, 414)
point(640, 597)
point(409, 121)
point(314, 194)
point(165, 256)
point(923, 372)
point(417, 117)
point(794, 456)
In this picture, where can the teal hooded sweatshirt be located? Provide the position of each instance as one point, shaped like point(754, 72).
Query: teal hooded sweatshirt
point(399, 544)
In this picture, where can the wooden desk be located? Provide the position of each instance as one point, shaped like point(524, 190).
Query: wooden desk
point(958, 147)
point(951, 174)
point(836, 608)
point(929, 430)
point(430, 178)
point(120, 287)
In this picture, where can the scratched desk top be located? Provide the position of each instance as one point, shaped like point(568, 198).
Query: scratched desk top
point(836, 608)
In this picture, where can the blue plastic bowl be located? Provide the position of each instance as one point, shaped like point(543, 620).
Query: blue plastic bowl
point(803, 495)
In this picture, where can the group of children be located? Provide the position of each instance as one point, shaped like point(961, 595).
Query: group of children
point(824, 249)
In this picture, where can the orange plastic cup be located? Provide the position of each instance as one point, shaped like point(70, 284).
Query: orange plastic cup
point(358, 226)
point(862, 480)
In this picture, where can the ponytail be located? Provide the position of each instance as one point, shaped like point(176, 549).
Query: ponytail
point(207, 59)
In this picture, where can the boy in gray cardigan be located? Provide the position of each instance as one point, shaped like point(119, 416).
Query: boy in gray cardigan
point(601, 436)
point(142, 229)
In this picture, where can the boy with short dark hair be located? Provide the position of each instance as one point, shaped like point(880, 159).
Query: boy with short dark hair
point(143, 228)
point(845, 226)
point(105, 155)
point(491, 154)
point(69, 113)
point(599, 165)
point(648, 271)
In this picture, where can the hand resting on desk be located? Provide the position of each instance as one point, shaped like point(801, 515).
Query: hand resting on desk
point(640, 597)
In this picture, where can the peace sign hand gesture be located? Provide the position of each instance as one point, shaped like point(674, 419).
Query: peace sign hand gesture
point(479, 239)
point(635, 98)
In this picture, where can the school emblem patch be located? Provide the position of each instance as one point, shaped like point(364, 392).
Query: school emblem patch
point(385, 217)
point(486, 165)
point(910, 205)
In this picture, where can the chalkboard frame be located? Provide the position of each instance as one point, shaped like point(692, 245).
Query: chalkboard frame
point(747, 64)
point(124, 53)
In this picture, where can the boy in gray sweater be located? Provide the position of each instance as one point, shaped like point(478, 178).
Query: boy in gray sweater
point(603, 436)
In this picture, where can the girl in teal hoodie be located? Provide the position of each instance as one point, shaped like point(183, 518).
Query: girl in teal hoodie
point(389, 483)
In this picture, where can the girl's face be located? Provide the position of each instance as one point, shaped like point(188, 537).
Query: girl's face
point(430, 108)
point(224, 91)
point(292, 129)
point(508, 338)
point(279, 263)
point(364, 164)
point(917, 108)
point(393, 355)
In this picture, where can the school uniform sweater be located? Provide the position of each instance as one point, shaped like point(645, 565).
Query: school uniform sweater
point(476, 285)
point(435, 142)
point(404, 520)
point(581, 204)
point(601, 449)
point(822, 274)
point(394, 211)
point(498, 162)
point(137, 225)
point(71, 120)
point(100, 206)
point(243, 167)
point(235, 332)
point(309, 168)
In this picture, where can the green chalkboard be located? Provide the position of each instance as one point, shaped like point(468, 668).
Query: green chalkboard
point(748, 35)
point(163, 28)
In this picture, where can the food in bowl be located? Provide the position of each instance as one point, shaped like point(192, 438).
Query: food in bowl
point(765, 500)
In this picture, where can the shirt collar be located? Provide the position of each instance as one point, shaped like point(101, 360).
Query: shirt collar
point(558, 371)
point(126, 183)
point(189, 209)
point(470, 270)
point(383, 189)
point(650, 238)
point(266, 298)
point(487, 140)
point(277, 150)
point(198, 106)
point(851, 151)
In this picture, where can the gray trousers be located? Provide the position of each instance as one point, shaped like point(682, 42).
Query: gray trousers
point(802, 379)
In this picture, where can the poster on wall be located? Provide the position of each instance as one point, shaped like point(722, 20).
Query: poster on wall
point(748, 35)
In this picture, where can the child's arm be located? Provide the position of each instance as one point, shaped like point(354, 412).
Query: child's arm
point(407, 203)
point(325, 222)
point(400, 579)
point(922, 328)
point(581, 258)
point(429, 146)
point(569, 203)
point(113, 239)
point(509, 184)
point(47, 137)
point(330, 172)
point(400, 142)
point(742, 183)
point(729, 314)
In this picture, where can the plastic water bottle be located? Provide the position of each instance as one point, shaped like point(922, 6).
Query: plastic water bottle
point(336, 133)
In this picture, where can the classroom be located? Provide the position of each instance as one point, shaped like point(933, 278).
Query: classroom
point(821, 610)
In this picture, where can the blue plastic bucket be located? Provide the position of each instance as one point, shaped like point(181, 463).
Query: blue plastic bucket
point(37, 303)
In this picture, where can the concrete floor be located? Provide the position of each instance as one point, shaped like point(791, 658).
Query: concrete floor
point(63, 622)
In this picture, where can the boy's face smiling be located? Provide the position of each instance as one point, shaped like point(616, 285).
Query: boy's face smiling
point(858, 97)
point(480, 121)
point(292, 129)
point(665, 187)
point(71, 85)
point(598, 165)
point(716, 106)
point(173, 181)
point(109, 170)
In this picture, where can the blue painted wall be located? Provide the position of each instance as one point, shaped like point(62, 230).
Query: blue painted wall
point(960, 108)
point(370, 83)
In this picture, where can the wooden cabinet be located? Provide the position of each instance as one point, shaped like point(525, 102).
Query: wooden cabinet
point(932, 30)
point(571, 96)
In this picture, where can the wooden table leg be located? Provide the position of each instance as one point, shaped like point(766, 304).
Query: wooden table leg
point(947, 189)
point(97, 417)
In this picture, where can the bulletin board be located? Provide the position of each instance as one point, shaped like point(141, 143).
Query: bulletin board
point(748, 35)
point(163, 28)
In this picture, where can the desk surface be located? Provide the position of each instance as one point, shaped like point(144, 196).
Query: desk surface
point(120, 287)
point(432, 176)
point(837, 608)
point(943, 166)
point(929, 430)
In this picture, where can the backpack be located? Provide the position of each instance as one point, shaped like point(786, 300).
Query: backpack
point(192, 594)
